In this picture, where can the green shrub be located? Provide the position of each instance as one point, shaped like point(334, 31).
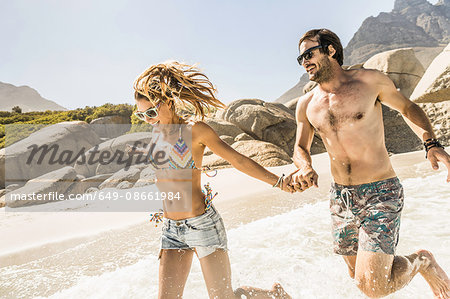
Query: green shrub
point(48, 117)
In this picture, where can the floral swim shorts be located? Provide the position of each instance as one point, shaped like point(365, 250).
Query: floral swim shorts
point(366, 216)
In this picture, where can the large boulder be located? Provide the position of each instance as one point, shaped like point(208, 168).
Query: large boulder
point(113, 151)
point(292, 104)
point(111, 126)
point(45, 188)
point(399, 137)
point(227, 139)
point(130, 175)
point(146, 177)
point(2, 198)
point(2, 168)
point(223, 128)
point(271, 122)
point(243, 137)
point(401, 65)
point(435, 83)
point(80, 186)
point(439, 114)
point(264, 153)
point(27, 158)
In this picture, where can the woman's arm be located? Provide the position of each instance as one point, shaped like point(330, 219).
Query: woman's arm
point(208, 137)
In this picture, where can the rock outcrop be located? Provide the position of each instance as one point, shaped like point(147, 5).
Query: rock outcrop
point(402, 67)
point(399, 137)
point(44, 188)
point(265, 153)
point(224, 128)
point(130, 175)
point(439, 114)
point(111, 126)
point(114, 156)
point(48, 149)
point(412, 23)
point(270, 122)
point(435, 83)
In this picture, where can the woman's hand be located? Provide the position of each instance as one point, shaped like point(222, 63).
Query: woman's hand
point(286, 184)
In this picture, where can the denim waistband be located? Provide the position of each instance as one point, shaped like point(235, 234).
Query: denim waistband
point(194, 220)
point(374, 186)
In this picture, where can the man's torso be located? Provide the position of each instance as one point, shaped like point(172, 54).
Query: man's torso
point(351, 126)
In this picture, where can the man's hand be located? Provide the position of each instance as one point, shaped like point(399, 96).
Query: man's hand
point(437, 154)
point(304, 178)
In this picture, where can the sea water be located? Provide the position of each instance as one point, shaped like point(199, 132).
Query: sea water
point(293, 248)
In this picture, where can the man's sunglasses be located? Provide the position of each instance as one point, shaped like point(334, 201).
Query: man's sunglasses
point(150, 112)
point(307, 55)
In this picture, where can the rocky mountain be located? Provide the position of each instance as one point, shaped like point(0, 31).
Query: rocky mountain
point(412, 23)
point(25, 97)
point(295, 91)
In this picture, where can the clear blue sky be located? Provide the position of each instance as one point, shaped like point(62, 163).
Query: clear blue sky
point(85, 52)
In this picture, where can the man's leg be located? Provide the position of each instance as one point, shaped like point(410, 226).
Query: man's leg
point(379, 274)
point(350, 260)
point(377, 271)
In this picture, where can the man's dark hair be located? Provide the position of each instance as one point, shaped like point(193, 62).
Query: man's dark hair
point(325, 37)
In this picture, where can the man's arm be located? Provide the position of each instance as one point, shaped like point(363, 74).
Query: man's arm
point(305, 176)
point(414, 116)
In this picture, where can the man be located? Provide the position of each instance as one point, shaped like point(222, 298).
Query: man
point(366, 198)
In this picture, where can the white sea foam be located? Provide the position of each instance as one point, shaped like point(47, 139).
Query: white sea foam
point(294, 249)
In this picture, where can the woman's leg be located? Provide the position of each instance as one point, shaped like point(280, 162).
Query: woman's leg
point(217, 274)
point(174, 268)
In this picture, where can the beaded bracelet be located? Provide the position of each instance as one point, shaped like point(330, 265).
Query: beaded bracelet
point(280, 179)
point(429, 144)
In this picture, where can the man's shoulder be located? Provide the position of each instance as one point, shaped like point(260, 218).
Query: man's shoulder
point(366, 74)
point(306, 98)
point(303, 102)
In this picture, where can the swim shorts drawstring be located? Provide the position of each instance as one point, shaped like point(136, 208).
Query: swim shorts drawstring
point(345, 198)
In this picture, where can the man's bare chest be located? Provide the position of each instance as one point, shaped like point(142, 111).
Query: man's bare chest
point(349, 108)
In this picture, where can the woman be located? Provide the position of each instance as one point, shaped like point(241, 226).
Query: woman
point(193, 225)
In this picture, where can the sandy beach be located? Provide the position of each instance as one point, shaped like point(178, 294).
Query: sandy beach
point(62, 254)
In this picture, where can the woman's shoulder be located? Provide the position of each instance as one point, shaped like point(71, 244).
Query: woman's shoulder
point(202, 132)
point(199, 126)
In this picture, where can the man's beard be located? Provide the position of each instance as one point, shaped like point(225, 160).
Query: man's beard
point(324, 73)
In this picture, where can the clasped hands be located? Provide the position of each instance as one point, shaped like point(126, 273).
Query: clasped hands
point(300, 180)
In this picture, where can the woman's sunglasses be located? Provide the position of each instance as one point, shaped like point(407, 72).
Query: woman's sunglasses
point(150, 112)
point(308, 54)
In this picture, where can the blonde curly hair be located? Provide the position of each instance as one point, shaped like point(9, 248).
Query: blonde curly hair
point(184, 85)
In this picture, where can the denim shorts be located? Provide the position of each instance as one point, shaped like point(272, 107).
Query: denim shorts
point(204, 233)
point(366, 216)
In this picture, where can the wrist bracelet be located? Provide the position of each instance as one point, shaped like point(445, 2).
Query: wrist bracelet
point(429, 144)
point(280, 179)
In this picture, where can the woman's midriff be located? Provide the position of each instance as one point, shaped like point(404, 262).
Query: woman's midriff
point(191, 202)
